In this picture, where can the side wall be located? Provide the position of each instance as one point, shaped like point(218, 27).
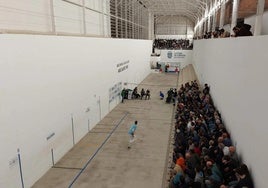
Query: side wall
point(48, 82)
point(236, 70)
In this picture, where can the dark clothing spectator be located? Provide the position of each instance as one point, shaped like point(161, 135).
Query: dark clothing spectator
point(142, 93)
point(147, 95)
point(242, 30)
point(172, 44)
point(123, 95)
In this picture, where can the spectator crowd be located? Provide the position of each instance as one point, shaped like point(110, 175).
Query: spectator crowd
point(240, 30)
point(204, 155)
point(173, 44)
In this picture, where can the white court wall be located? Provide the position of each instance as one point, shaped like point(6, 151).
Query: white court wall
point(237, 71)
point(45, 81)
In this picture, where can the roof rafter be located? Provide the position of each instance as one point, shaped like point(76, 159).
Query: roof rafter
point(193, 9)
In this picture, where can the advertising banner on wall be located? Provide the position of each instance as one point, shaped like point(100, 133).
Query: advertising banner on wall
point(183, 57)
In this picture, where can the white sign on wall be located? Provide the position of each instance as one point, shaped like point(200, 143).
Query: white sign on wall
point(184, 57)
point(115, 91)
point(122, 66)
point(178, 54)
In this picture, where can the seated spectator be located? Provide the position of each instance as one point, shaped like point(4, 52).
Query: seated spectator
point(147, 95)
point(226, 140)
point(181, 162)
point(233, 154)
point(199, 176)
point(224, 34)
point(215, 176)
point(228, 166)
point(177, 181)
point(202, 139)
point(161, 95)
point(135, 94)
point(142, 93)
point(244, 179)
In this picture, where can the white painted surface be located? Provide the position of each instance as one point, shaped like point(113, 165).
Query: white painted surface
point(251, 21)
point(46, 80)
point(154, 60)
point(237, 71)
point(182, 57)
point(32, 15)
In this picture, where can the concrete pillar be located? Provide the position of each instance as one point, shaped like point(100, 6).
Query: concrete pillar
point(151, 26)
point(222, 16)
point(84, 18)
point(116, 20)
point(209, 23)
point(121, 21)
point(133, 19)
point(126, 18)
point(102, 19)
point(258, 19)
point(205, 26)
point(53, 27)
point(234, 14)
point(200, 30)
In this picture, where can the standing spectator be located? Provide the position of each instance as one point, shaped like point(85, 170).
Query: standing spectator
point(161, 95)
point(206, 89)
point(142, 93)
point(131, 133)
point(123, 94)
point(147, 95)
point(176, 70)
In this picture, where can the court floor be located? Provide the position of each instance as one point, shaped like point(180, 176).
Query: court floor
point(102, 160)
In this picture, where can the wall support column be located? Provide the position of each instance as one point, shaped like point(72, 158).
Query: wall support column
point(151, 26)
point(214, 17)
point(234, 14)
point(84, 18)
point(259, 16)
point(53, 27)
point(222, 16)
